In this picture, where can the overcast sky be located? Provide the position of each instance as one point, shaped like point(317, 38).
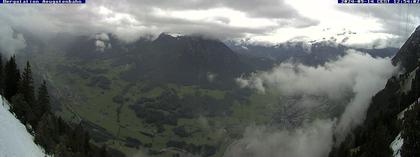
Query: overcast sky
point(272, 21)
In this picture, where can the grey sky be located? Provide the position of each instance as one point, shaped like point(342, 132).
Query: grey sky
point(271, 21)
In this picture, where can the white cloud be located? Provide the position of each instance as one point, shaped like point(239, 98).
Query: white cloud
point(100, 45)
point(129, 20)
point(10, 41)
point(376, 25)
point(102, 36)
point(236, 18)
point(314, 139)
point(272, 21)
point(355, 73)
point(102, 42)
point(330, 80)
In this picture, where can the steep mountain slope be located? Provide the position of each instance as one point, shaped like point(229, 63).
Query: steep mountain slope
point(15, 141)
point(385, 128)
point(409, 54)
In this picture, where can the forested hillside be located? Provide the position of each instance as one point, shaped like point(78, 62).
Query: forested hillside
point(32, 107)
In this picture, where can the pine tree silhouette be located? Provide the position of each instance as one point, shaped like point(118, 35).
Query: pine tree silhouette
point(12, 79)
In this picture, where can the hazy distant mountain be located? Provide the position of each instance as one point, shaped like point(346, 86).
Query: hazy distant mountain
point(314, 53)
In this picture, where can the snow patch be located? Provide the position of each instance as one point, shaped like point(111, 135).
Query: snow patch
point(396, 145)
point(15, 141)
point(176, 35)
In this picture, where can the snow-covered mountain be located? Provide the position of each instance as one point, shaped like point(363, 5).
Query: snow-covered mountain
point(15, 141)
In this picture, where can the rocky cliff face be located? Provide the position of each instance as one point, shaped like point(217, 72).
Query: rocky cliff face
point(409, 54)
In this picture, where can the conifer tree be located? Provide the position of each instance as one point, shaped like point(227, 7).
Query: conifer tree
point(21, 108)
point(52, 133)
point(12, 78)
point(102, 151)
point(43, 101)
point(27, 85)
point(45, 133)
point(410, 132)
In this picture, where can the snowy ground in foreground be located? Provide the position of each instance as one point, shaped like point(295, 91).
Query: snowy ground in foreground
point(15, 141)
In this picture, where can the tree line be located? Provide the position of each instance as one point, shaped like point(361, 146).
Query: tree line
point(33, 108)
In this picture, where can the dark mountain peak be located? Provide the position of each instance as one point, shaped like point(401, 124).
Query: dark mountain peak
point(191, 44)
point(182, 59)
point(164, 37)
point(408, 56)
